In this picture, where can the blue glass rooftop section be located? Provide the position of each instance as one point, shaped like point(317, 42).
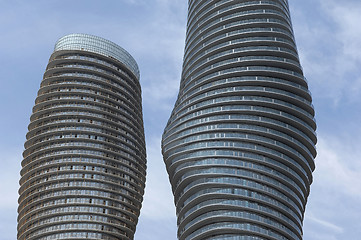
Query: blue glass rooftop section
point(91, 43)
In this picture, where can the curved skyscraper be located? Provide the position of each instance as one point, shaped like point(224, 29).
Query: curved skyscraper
point(84, 166)
point(239, 146)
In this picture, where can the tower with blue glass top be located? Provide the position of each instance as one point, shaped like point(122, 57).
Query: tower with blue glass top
point(84, 166)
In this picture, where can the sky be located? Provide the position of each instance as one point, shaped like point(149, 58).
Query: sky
point(328, 37)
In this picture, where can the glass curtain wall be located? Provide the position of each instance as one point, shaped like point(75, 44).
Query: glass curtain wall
point(239, 146)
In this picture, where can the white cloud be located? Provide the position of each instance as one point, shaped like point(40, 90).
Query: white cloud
point(158, 193)
point(329, 40)
point(347, 29)
point(333, 207)
point(158, 212)
point(330, 226)
point(337, 167)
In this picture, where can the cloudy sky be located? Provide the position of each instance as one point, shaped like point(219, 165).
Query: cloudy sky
point(328, 35)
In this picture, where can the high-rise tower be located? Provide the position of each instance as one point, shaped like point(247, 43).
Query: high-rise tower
point(83, 173)
point(239, 146)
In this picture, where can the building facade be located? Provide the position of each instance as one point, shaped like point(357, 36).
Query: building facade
point(239, 146)
point(84, 166)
